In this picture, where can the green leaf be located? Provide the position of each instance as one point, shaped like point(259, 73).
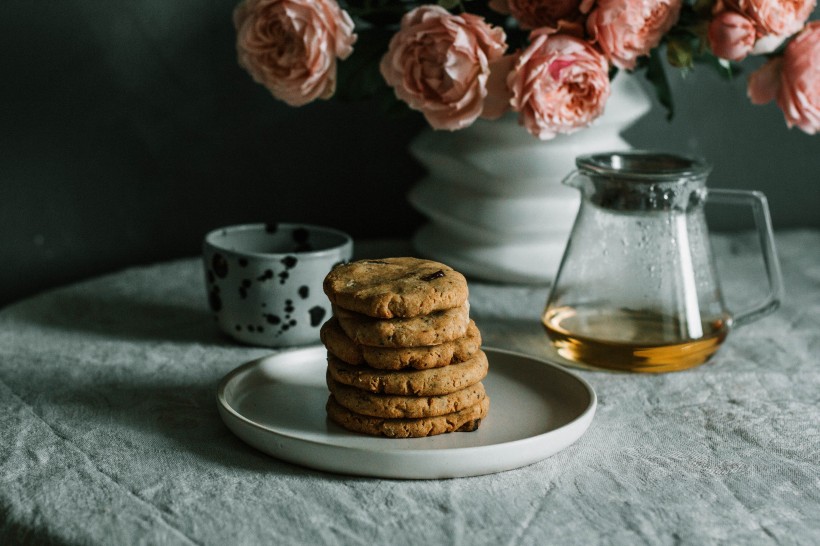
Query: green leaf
point(679, 53)
point(656, 74)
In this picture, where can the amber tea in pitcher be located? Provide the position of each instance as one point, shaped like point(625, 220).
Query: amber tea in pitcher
point(637, 288)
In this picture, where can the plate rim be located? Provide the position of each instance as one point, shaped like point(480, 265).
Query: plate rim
point(583, 419)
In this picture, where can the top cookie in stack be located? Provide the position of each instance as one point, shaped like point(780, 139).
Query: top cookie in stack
point(404, 358)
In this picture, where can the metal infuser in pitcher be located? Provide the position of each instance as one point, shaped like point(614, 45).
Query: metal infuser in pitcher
point(637, 289)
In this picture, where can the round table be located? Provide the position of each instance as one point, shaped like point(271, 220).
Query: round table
point(110, 431)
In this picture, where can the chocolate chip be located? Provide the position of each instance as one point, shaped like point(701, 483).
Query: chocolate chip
point(289, 262)
point(268, 274)
point(272, 319)
point(304, 292)
point(437, 275)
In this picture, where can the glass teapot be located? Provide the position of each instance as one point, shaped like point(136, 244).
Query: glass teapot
point(637, 288)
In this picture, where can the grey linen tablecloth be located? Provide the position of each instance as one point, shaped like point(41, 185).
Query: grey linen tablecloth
point(110, 433)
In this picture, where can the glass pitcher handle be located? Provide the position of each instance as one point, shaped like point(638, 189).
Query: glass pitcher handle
point(763, 222)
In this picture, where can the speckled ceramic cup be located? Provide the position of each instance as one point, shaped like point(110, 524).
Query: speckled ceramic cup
point(264, 281)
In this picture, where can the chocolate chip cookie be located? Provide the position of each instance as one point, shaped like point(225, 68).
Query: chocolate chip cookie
point(432, 382)
point(396, 407)
point(396, 358)
point(464, 420)
point(395, 287)
point(431, 329)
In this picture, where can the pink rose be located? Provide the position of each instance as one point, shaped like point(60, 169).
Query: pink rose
point(793, 80)
point(532, 14)
point(439, 63)
point(799, 94)
point(731, 35)
point(628, 29)
point(775, 17)
point(291, 46)
point(559, 84)
point(764, 83)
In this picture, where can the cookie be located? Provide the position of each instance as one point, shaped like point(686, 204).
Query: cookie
point(390, 358)
point(432, 382)
point(395, 287)
point(465, 420)
point(433, 329)
point(395, 407)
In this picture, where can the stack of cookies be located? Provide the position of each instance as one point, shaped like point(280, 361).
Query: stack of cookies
point(404, 357)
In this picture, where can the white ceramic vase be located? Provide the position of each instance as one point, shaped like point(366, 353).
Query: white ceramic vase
point(496, 207)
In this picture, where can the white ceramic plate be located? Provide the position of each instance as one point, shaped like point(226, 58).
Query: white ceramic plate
point(277, 405)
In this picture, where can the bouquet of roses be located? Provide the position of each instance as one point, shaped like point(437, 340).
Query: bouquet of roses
point(551, 61)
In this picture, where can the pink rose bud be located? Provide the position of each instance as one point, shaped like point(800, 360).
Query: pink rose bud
point(440, 64)
point(731, 35)
point(559, 83)
point(291, 46)
point(799, 93)
point(628, 29)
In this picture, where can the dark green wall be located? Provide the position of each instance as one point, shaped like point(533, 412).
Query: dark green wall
point(127, 131)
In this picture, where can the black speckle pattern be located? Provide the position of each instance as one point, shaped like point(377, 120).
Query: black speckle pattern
point(214, 300)
point(300, 237)
point(317, 313)
point(289, 262)
point(282, 293)
point(219, 265)
point(272, 319)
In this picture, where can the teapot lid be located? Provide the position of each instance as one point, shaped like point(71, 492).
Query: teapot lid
point(644, 166)
point(641, 180)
